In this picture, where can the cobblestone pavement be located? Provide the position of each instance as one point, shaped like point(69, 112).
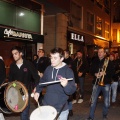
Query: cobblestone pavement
point(81, 111)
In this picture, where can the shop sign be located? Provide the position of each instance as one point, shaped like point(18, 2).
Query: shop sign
point(12, 33)
point(75, 36)
point(16, 34)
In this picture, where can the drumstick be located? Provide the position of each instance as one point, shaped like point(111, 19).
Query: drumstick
point(38, 105)
point(51, 82)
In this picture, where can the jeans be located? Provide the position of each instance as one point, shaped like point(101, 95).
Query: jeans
point(70, 105)
point(96, 91)
point(81, 82)
point(64, 115)
point(25, 113)
point(114, 86)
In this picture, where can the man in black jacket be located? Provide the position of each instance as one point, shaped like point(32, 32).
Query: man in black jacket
point(102, 69)
point(2, 71)
point(22, 70)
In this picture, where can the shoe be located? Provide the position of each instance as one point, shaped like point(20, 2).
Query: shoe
point(113, 104)
point(105, 117)
point(74, 101)
point(70, 113)
point(89, 118)
point(80, 100)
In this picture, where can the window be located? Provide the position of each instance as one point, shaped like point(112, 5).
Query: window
point(107, 28)
point(90, 22)
point(76, 15)
point(99, 26)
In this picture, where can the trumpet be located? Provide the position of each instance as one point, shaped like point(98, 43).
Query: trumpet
point(101, 82)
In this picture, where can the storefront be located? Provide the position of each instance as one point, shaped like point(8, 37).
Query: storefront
point(75, 41)
point(10, 37)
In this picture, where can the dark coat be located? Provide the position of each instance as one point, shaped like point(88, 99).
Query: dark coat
point(41, 64)
point(2, 71)
point(25, 74)
point(97, 65)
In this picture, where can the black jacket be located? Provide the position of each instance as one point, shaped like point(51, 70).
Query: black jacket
point(97, 65)
point(25, 74)
point(41, 64)
point(2, 72)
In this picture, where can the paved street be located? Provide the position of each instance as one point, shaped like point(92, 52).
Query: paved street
point(81, 111)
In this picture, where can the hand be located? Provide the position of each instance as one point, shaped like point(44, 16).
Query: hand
point(63, 81)
point(36, 96)
point(40, 74)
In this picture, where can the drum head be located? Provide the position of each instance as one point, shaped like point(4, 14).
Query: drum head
point(44, 113)
point(16, 96)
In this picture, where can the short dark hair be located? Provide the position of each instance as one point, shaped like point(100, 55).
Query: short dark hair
point(18, 48)
point(80, 51)
point(58, 50)
point(67, 51)
point(42, 50)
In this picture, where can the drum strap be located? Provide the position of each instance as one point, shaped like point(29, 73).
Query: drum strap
point(60, 111)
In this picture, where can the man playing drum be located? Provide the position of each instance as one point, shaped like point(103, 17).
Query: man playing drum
point(22, 70)
point(57, 94)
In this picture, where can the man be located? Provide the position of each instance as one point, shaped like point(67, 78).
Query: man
point(102, 69)
point(22, 70)
point(42, 62)
point(2, 71)
point(57, 94)
point(80, 65)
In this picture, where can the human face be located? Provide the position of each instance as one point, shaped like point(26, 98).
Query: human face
point(101, 53)
point(79, 55)
point(56, 61)
point(17, 55)
point(111, 57)
point(66, 55)
point(40, 53)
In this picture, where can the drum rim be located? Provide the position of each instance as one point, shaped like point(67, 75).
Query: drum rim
point(33, 112)
point(26, 101)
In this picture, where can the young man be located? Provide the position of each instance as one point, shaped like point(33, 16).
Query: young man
point(22, 70)
point(104, 75)
point(80, 67)
point(57, 94)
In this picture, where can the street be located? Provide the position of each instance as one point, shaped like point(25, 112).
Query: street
point(81, 111)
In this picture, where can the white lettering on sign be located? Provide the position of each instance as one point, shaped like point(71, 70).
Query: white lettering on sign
point(17, 34)
point(77, 37)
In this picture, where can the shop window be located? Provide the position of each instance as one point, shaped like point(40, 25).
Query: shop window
point(90, 22)
point(76, 15)
point(19, 17)
point(99, 26)
point(107, 28)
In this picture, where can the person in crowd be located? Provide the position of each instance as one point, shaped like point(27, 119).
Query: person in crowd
point(22, 70)
point(35, 57)
point(68, 60)
point(57, 94)
point(2, 70)
point(42, 62)
point(80, 67)
point(115, 78)
point(102, 69)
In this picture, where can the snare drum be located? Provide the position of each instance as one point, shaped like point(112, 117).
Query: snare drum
point(44, 113)
point(13, 97)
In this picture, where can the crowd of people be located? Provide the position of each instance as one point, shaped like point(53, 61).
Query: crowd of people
point(61, 66)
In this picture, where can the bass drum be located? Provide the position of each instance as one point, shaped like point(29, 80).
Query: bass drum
point(44, 113)
point(14, 97)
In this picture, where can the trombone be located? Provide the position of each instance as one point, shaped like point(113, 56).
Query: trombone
point(100, 80)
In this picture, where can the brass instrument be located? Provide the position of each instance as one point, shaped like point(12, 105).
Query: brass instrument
point(78, 67)
point(101, 82)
